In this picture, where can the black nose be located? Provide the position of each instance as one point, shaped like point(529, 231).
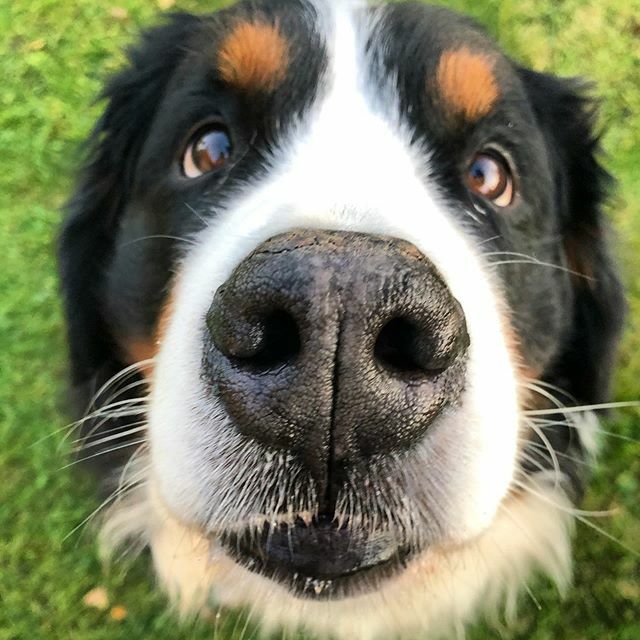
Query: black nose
point(335, 347)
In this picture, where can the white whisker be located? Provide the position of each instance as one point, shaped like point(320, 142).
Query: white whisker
point(549, 447)
point(129, 429)
point(587, 407)
point(109, 499)
point(132, 369)
point(525, 485)
point(566, 456)
point(189, 241)
point(133, 443)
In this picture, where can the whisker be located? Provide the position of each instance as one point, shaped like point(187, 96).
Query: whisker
point(189, 241)
point(115, 497)
point(130, 429)
point(566, 456)
point(133, 443)
point(123, 409)
point(563, 409)
point(109, 499)
point(576, 513)
point(106, 410)
point(533, 386)
point(90, 411)
point(587, 407)
point(124, 474)
point(547, 385)
point(491, 239)
point(607, 535)
point(601, 431)
point(196, 214)
point(70, 427)
point(552, 453)
point(119, 391)
point(530, 593)
point(523, 258)
point(524, 456)
point(132, 369)
point(126, 411)
point(514, 254)
point(539, 263)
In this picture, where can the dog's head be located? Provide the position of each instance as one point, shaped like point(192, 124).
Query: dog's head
point(360, 256)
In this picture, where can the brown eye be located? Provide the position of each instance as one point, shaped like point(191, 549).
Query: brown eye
point(209, 150)
point(490, 177)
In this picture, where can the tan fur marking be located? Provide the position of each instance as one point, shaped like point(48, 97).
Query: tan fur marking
point(579, 252)
point(527, 378)
point(254, 57)
point(467, 84)
point(524, 370)
point(140, 351)
point(165, 315)
point(144, 349)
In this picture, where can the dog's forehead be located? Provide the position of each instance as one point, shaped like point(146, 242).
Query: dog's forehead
point(442, 60)
point(281, 49)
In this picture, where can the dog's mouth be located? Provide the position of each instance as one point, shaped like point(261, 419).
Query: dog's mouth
point(318, 560)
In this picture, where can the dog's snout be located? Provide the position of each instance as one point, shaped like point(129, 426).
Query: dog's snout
point(335, 346)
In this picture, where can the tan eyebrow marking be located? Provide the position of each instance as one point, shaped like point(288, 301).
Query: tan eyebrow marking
point(467, 83)
point(254, 57)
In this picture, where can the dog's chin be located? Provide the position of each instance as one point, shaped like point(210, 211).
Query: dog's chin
point(318, 560)
point(363, 590)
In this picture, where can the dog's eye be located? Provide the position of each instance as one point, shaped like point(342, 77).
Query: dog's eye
point(489, 176)
point(208, 150)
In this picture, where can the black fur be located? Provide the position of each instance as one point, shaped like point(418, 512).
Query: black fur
point(569, 119)
point(89, 233)
point(584, 364)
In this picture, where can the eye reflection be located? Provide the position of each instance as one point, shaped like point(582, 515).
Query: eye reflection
point(208, 151)
point(489, 176)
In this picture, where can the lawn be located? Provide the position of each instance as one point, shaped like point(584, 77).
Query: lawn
point(53, 58)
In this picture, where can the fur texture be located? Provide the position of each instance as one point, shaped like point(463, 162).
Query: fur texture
point(355, 135)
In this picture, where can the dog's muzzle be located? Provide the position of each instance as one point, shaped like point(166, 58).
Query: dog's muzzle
point(338, 348)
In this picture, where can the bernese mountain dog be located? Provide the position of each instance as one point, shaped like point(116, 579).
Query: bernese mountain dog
point(339, 298)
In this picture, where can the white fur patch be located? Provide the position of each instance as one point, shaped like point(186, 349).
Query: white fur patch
point(351, 167)
point(587, 425)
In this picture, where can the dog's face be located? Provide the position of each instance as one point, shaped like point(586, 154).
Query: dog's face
point(360, 254)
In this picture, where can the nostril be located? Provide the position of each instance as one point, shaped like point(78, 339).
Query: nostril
point(396, 348)
point(280, 342)
point(405, 347)
point(260, 342)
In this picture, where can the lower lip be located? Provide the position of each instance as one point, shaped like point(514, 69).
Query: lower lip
point(319, 561)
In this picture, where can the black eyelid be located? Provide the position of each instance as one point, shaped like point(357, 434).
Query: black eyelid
point(209, 125)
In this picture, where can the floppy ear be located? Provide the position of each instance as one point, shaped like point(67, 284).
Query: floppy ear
point(88, 235)
point(567, 116)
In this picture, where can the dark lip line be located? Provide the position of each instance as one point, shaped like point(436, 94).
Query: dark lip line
point(317, 588)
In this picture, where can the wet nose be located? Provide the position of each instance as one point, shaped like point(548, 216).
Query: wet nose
point(335, 347)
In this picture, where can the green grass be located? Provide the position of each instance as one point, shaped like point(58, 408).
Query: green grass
point(54, 56)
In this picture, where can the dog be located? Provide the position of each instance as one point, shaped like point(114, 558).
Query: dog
point(339, 297)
